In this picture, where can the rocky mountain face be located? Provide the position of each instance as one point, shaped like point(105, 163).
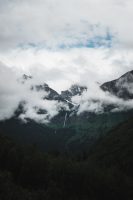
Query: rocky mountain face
point(121, 87)
point(73, 91)
point(51, 94)
point(64, 96)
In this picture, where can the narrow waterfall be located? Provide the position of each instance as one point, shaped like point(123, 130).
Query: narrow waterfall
point(65, 120)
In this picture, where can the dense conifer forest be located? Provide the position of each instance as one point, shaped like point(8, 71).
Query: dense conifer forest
point(105, 172)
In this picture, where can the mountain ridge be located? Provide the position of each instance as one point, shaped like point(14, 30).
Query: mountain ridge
point(120, 87)
point(67, 131)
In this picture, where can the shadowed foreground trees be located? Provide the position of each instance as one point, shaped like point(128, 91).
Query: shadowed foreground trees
point(105, 173)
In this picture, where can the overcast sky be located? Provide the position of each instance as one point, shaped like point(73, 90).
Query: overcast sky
point(63, 42)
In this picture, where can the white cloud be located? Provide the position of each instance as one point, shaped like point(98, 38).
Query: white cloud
point(96, 100)
point(13, 92)
point(51, 22)
point(33, 31)
point(62, 68)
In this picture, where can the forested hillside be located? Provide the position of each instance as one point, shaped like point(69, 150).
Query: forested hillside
point(103, 173)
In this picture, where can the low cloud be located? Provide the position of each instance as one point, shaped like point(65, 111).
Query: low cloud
point(13, 92)
point(62, 68)
point(97, 101)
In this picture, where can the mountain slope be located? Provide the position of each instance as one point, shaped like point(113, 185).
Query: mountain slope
point(77, 136)
point(116, 148)
point(73, 91)
point(52, 94)
point(26, 173)
point(44, 137)
point(121, 87)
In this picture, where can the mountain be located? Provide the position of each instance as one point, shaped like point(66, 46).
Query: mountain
point(68, 131)
point(26, 77)
point(51, 94)
point(64, 97)
point(121, 87)
point(116, 148)
point(73, 91)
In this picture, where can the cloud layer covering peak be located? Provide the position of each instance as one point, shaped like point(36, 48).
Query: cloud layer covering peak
point(15, 91)
point(62, 43)
point(25, 91)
